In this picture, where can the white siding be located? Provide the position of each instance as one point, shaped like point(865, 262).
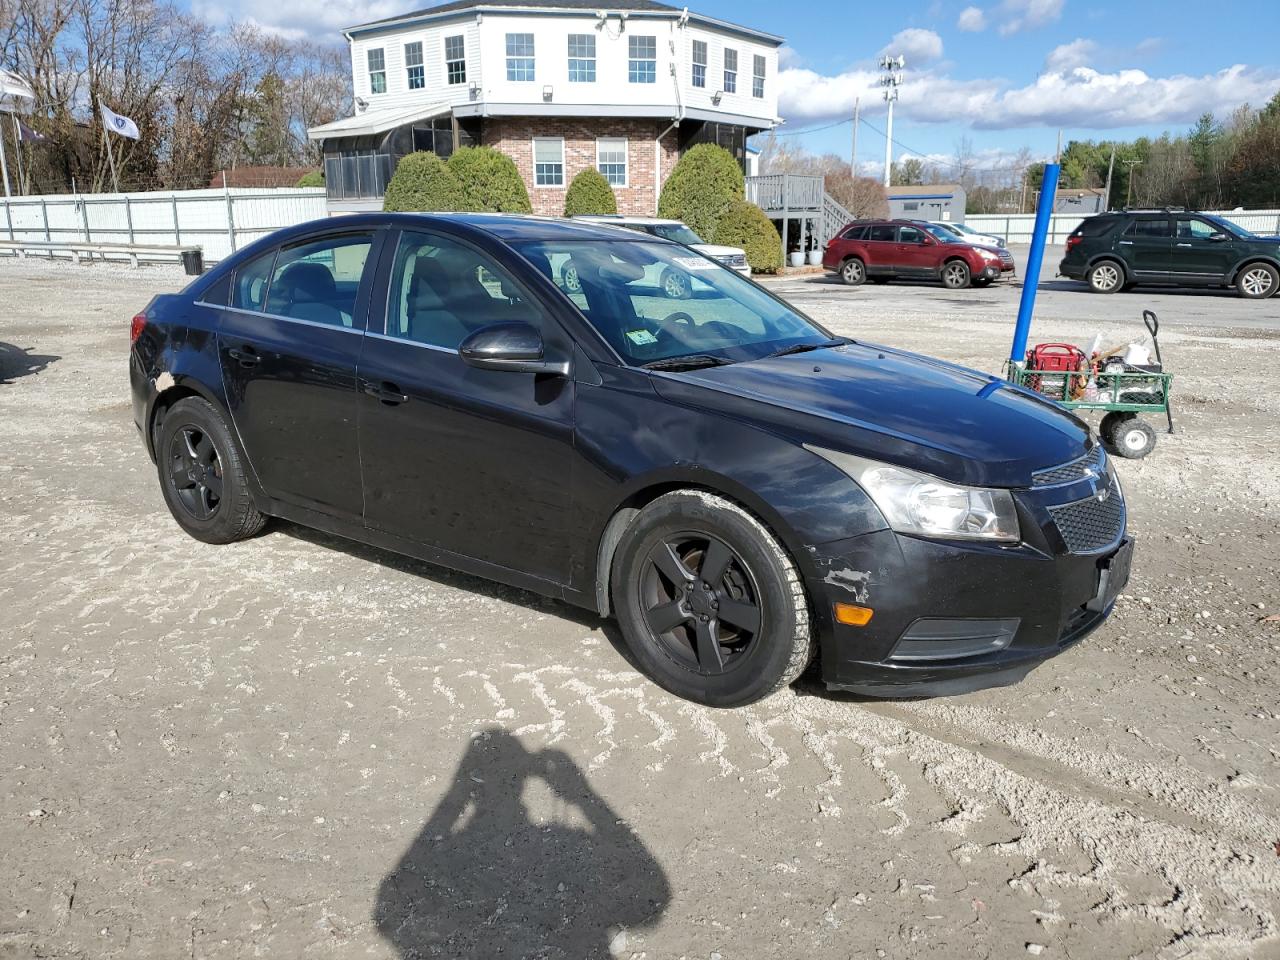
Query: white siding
point(487, 65)
point(432, 38)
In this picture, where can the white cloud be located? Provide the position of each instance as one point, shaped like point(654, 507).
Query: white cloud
point(1067, 56)
point(972, 19)
point(787, 57)
point(1078, 97)
point(1018, 15)
point(917, 45)
point(299, 18)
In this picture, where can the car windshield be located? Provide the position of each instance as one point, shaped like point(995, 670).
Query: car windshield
point(656, 302)
point(1231, 228)
point(941, 233)
point(673, 231)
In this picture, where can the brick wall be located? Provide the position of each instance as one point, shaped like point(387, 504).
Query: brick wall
point(514, 137)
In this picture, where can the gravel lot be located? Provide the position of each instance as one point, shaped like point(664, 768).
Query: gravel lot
point(298, 746)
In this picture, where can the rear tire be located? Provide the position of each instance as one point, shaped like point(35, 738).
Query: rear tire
point(956, 275)
point(1106, 276)
point(728, 640)
point(202, 474)
point(853, 272)
point(1257, 281)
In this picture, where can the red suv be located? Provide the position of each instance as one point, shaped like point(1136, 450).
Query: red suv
point(881, 250)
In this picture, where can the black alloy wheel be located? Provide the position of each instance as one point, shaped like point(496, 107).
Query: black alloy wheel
point(195, 471)
point(700, 600)
point(203, 474)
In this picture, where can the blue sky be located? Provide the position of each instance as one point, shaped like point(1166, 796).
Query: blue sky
point(1005, 74)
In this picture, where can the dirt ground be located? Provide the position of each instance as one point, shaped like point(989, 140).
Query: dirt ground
point(299, 747)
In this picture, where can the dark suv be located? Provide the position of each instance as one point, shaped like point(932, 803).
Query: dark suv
point(880, 250)
point(1171, 247)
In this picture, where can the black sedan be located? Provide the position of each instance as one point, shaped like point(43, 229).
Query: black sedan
point(741, 489)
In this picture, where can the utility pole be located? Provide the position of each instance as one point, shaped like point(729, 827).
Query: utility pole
point(891, 80)
point(853, 153)
point(1106, 194)
point(1128, 193)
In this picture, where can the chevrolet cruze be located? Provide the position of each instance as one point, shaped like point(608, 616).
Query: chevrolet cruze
point(743, 491)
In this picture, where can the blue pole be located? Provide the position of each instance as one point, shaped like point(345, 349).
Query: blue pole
point(1031, 279)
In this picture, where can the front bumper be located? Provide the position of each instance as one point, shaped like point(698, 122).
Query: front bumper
point(1023, 604)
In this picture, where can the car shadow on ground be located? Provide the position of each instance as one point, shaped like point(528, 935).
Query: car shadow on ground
point(1079, 286)
point(521, 858)
point(17, 362)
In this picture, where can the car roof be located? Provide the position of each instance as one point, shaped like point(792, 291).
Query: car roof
point(617, 218)
point(508, 227)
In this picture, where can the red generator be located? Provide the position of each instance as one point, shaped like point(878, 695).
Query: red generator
point(1062, 359)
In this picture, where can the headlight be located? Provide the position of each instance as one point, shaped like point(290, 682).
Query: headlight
point(918, 503)
point(988, 255)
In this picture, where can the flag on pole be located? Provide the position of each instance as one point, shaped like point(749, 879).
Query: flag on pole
point(27, 135)
point(117, 124)
point(13, 87)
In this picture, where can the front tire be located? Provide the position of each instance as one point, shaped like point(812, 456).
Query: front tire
point(1106, 276)
point(956, 275)
point(202, 474)
point(710, 604)
point(1258, 281)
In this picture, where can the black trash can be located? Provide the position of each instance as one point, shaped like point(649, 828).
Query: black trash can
point(193, 262)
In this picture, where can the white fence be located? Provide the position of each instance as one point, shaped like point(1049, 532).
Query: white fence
point(1016, 227)
point(219, 221)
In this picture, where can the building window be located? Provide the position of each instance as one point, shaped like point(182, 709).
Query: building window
point(377, 71)
point(520, 57)
point(413, 65)
point(548, 162)
point(730, 70)
point(611, 160)
point(643, 66)
point(699, 63)
point(455, 59)
point(582, 58)
point(757, 77)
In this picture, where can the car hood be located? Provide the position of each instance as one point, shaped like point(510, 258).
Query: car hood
point(895, 406)
point(715, 250)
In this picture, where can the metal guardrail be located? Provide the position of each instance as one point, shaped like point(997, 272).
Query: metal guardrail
point(134, 253)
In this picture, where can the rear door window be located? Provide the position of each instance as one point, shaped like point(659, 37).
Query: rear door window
point(317, 281)
point(1154, 227)
point(250, 288)
point(883, 231)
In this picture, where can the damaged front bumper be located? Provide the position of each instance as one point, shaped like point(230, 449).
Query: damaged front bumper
point(950, 617)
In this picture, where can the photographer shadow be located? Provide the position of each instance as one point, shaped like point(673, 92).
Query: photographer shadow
point(520, 859)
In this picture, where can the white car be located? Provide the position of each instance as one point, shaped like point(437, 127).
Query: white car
point(734, 258)
point(969, 235)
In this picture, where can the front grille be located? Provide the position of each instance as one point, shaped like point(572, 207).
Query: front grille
point(1005, 255)
point(1090, 463)
point(1088, 526)
point(734, 260)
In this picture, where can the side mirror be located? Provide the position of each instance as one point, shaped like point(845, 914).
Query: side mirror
point(509, 346)
point(1218, 236)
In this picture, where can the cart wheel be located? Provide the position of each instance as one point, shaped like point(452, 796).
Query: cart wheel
point(1132, 438)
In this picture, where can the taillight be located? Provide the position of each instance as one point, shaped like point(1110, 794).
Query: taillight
point(135, 327)
point(1074, 240)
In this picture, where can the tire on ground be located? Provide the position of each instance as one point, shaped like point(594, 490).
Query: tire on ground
point(1106, 276)
point(1128, 436)
point(1257, 281)
point(784, 645)
point(853, 272)
point(235, 516)
point(956, 275)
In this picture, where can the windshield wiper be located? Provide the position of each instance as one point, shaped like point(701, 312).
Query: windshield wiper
point(804, 348)
point(693, 361)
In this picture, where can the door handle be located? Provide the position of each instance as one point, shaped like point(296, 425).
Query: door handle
point(246, 356)
point(1126, 243)
point(385, 391)
point(1184, 244)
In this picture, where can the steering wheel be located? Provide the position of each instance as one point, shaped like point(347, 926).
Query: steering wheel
point(679, 317)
